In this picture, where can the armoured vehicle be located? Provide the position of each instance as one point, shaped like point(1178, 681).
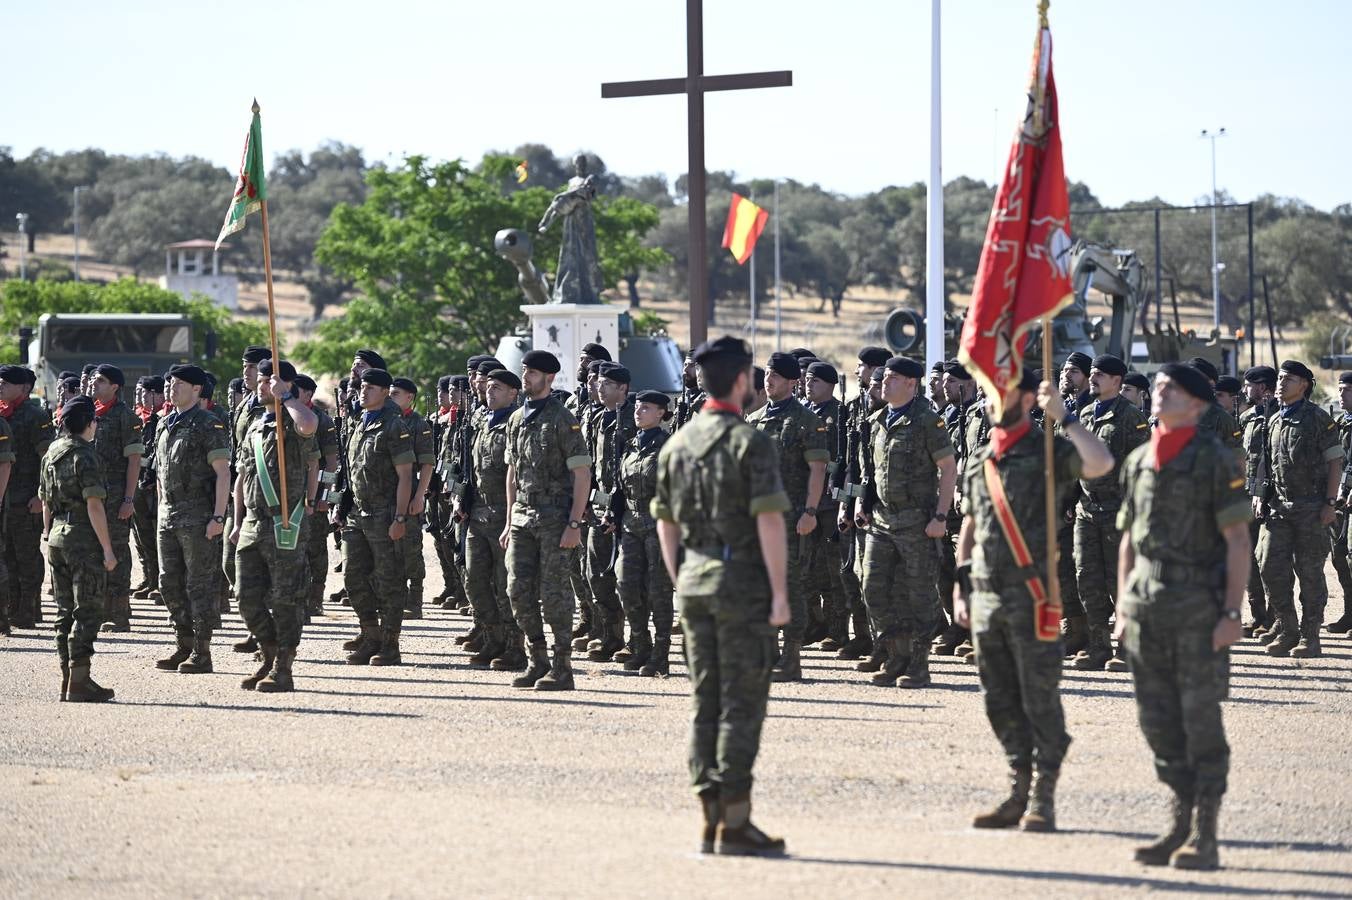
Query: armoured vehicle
point(139, 344)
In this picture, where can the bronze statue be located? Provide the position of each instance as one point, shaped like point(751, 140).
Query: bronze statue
point(578, 279)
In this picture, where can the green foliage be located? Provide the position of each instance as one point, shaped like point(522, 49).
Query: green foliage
point(23, 303)
point(648, 323)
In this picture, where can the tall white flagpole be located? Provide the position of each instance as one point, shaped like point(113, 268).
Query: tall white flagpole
point(752, 198)
point(934, 218)
point(778, 338)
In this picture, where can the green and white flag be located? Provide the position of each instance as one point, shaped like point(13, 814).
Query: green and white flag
point(250, 189)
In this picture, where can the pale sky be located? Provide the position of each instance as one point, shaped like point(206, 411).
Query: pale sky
point(1138, 82)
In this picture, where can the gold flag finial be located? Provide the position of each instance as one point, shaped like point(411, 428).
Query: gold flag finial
point(255, 103)
point(1042, 13)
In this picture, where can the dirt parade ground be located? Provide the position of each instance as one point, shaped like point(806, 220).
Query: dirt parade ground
point(436, 779)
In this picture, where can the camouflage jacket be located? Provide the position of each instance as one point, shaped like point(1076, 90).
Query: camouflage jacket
point(71, 475)
point(607, 449)
point(424, 448)
point(31, 434)
point(1224, 426)
point(830, 414)
point(902, 466)
point(258, 513)
point(6, 450)
point(1300, 443)
point(117, 439)
point(1122, 428)
point(638, 476)
point(1253, 429)
point(490, 470)
point(801, 439)
point(714, 477)
point(186, 445)
point(544, 446)
point(375, 448)
point(1174, 518)
point(326, 434)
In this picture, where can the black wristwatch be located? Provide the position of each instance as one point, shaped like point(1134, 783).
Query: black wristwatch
point(401, 518)
point(219, 520)
point(1231, 614)
point(574, 523)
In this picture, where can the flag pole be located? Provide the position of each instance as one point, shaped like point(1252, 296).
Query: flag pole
point(276, 354)
point(1048, 439)
point(752, 198)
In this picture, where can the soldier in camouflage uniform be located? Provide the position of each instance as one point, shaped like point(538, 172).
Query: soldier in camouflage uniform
point(31, 431)
point(270, 578)
point(802, 443)
point(192, 477)
point(1122, 428)
point(457, 437)
point(380, 458)
point(1074, 385)
point(404, 393)
point(548, 480)
point(590, 631)
point(870, 374)
point(959, 390)
point(1305, 466)
point(1342, 535)
point(1185, 548)
point(1260, 383)
point(829, 614)
point(1217, 419)
point(76, 531)
point(609, 430)
point(317, 530)
point(910, 476)
point(149, 409)
point(720, 500)
point(1020, 671)
point(1136, 388)
point(239, 417)
point(119, 446)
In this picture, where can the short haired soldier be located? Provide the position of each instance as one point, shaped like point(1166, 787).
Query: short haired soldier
point(1260, 386)
point(31, 433)
point(1341, 531)
point(120, 447)
point(404, 393)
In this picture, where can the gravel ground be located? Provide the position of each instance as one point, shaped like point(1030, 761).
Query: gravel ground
point(434, 779)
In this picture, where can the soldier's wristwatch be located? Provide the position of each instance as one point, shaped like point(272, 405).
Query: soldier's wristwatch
point(219, 520)
point(1232, 614)
point(574, 524)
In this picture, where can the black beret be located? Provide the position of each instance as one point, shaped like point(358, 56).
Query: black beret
point(613, 371)
point(784, 365)
point(1110, 365)
point(1345, 378)
point(801, 353)
point(1191, 379)
point(1137, 380)
point(344, 383)
point(1030, 380)
point(256, 354)
point(937, 367)
point(404, 384)
point(1296, 367)
point(66, 373)
point(89, 369)
point(378, 377)
point(541, 361)
point(1081, 361)
point(444, 383)
point(209, 386)
point(1206, 367)
point(472, 363)
point(71, 384)
point(153, 383)
point(502, 376)
point(190, 374)
point(1228, 383)
point(955, 369)
point(486, 365)
point(236, 385)
point(77, 413)
point(904, 365)
point(371, 358)
point(655, 397)
point(825, 371)
point(17, 375)
point(594, 367)
point(879, 372)
point(459, 382)
point(112, 373)
point(304, 382)
point(727, 345)
point(1261, 375)
point(596, 351)
point(874, 356)
point(285, 370)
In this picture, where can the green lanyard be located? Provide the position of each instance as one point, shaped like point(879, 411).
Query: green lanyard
point(286, 534)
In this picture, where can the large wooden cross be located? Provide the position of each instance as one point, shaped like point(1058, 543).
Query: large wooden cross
point(694, 85)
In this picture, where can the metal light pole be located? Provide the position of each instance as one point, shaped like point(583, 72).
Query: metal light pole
point(934, 210)
point(1215, 263)
point(23, 245)
point(78, 188)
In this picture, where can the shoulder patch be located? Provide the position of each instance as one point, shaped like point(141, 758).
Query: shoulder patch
point(1330, 426)
point(821, 428)
point(218, 425)
point(1147, 425)
point(575, 427)
point(403, 435)
point(1238, 482)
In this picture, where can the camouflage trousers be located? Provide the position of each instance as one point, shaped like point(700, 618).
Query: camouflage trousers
point(486, 571)
point(1096, 545)
point(1338, 538)
point(577, 581)
point(190, 577)
point(1294, 546)
point(1071, 606)
point(948, 567)
point(119, 535)
point(797, 558)
point(23, 558)
point(1258, 607)
point(1020, 678)
point(825, 581)
point(316, 557)
point(644, 586)
point(537, 580)
point(730, 649)
point(415, 567)
point(79, 586)
point(451, 573)
point(143, 529)
point(900, 573)
point(270, 586)
point(605, 596)
point(1180, 683)
point(373, 571)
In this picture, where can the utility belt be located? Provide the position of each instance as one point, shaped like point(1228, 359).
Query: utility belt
point(847, 491)
point(543, 501)
point(724, 552)
point(1100, 501)
point(1182, 574)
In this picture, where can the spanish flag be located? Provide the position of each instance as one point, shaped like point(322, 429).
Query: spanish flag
point(746, 221)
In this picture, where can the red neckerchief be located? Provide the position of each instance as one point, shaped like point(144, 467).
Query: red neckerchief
point(452, 414)
point(712, 405)
point(144, 413)
point(1002, 439)
point(101, 408)
point(167, 408)
point(8, 407)
point(441, 411)
point(1166, 443)
point(211, 404)
point(407, 412)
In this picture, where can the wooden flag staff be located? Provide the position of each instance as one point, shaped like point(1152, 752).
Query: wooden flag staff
point(276, 355)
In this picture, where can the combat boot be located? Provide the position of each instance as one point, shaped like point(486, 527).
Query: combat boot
point(1074, 634)
point(611, 641)
point(560, 676)
point(367, 645)
point(539, 665)
point(876, 658)
point(171, 662)
point(119, 616)
point(278, 681)
point(815, 632)
point(640, 650)
point(475, 643)
point(917, 671)
point(1308, 648)
point(966, 650)
point(142, 590)
point(268, 652)
point(493, 646)
point(737, 836)
point(658, 663)
point(339, 596)
point(1041, 814)
point(248, 645)
point(157, 598)
point(1288, 636)
point(1159, 852)
point(471, 635)
point(413, 611)
point(1011, 809)
point(708, 802)
point(513, 655)
point(790, 665)
point(856, 648)
point(898, 661)
point(1269, 633)
point(199, 661)
point(1095, 656)
point(1118, 663)
point(1200, 851)
point(316, 600)
point(82, 688)
point(1343, 625)
point(388, 655)
point(947, 641)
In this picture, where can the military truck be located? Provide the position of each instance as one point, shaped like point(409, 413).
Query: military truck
point(137, 343)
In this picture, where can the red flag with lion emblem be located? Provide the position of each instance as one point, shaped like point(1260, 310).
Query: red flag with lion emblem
point(1024, 273)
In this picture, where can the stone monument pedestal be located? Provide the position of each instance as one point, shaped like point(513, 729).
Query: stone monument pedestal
point(563, 329)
